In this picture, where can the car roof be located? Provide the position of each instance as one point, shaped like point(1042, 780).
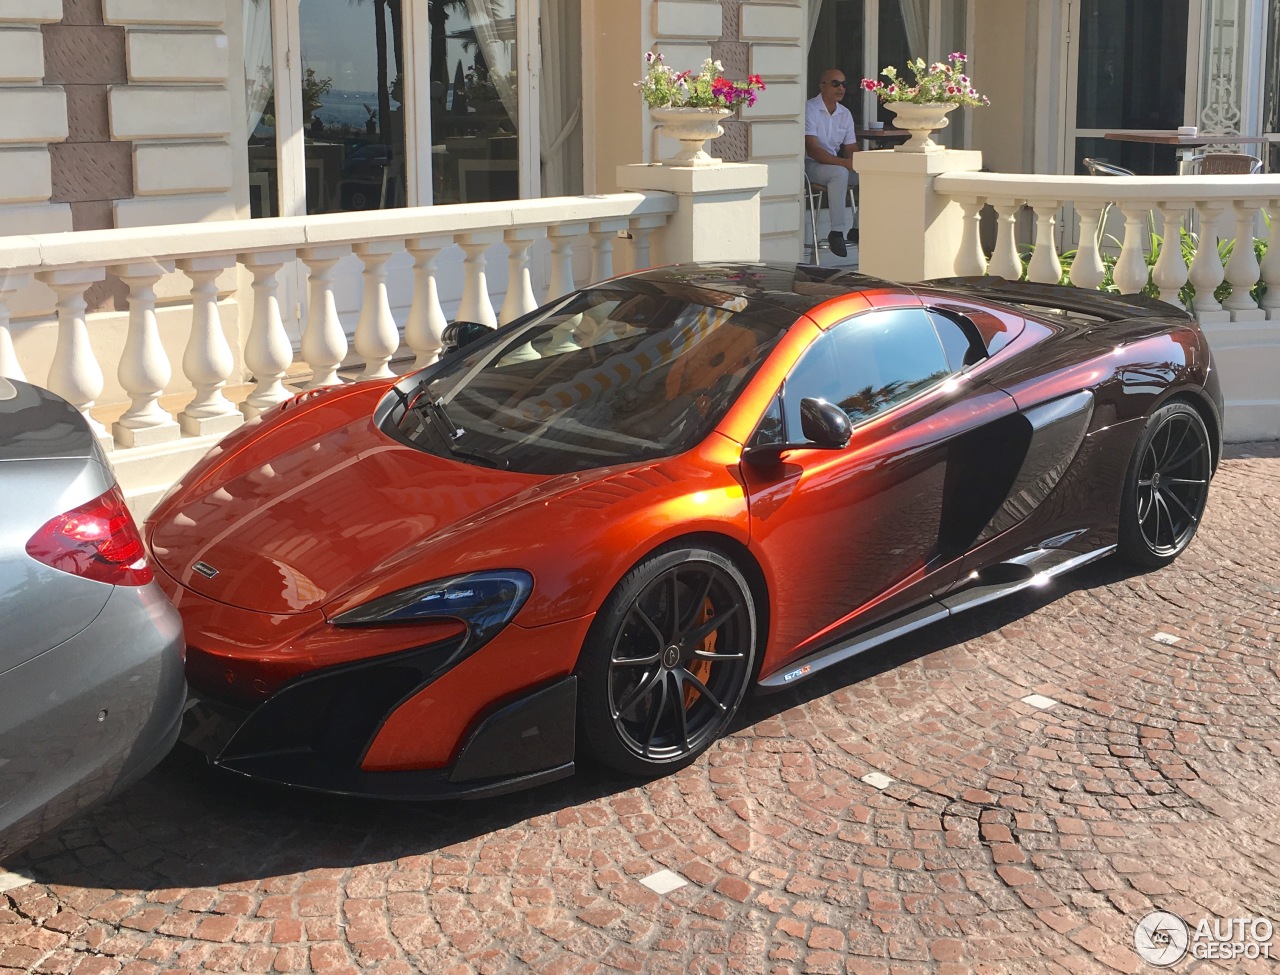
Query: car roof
point(39, 425)
point(791, 287)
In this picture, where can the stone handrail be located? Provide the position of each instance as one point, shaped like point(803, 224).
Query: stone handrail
point(69, 263)
point(1137, 198)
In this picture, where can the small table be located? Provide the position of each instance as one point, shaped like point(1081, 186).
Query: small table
point(883, 138)
point(1186, 144)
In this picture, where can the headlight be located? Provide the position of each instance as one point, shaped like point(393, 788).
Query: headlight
point(484, 601)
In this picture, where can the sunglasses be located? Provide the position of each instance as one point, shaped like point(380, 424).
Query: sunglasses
point(836, 84)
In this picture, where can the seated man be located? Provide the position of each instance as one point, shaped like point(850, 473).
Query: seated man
point(829, 144)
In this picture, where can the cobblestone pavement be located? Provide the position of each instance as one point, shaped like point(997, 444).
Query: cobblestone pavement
point(1010, 837)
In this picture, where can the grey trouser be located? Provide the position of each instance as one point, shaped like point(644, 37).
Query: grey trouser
point(836, 180)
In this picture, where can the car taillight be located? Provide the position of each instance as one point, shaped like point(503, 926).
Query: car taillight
point(97, 540)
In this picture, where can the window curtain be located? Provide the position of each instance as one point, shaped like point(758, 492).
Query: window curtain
point(494, 23)
point(560, 109)
point(258, 76)
point(815, 8)
point(915, 15)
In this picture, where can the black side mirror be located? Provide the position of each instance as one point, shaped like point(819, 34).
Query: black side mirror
point(825, 427)
point(458, 335)
point(823, 424)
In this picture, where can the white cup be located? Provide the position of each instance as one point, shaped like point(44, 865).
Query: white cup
point(1187, 130)
point(875, 125)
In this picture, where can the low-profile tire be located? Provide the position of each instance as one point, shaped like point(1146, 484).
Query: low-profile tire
point(666, 662)
point(1166, 487)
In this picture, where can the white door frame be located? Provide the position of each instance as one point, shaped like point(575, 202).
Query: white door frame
point(1070, 78)
point(529, 89)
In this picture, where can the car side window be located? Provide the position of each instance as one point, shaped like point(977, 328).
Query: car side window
point(867, 365)
point(960, 339)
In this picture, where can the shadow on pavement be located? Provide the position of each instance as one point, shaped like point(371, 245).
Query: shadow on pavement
point(187, 825)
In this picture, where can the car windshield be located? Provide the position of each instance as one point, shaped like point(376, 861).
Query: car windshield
point(608, 376)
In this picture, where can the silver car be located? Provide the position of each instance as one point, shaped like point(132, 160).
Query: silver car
point(91, 651)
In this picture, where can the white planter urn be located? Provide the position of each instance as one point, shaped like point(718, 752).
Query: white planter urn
point(693, 127)
point(920, 119)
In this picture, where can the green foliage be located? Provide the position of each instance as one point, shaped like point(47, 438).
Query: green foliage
point(664, 87)
point(937, 83)
point(313, 91)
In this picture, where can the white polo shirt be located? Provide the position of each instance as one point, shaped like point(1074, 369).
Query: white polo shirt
point(833, 129)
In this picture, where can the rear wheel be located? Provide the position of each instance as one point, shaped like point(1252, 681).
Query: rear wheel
point(1166, 488)
point(667, 661)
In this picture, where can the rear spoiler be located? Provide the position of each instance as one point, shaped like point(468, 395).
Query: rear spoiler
point(1100, 304)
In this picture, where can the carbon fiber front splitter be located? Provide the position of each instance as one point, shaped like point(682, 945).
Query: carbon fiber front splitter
point(301, 739)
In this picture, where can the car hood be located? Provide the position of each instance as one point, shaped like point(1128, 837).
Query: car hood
point(312, 518)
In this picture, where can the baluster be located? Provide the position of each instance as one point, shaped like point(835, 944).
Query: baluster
point(520, 299)
point(424, 331)
point(970, 260)
point(475, 305)
point(1005, 262)
point(1131, 272)
point(144, 368)
point(1087, 270)
point(74, 373)
point(9, 283)
point(377, 337)
point(603, 234)
point(1045, 266)
point(1206, 267)
point(324, 343)
point(641, 229)
point(1242, 267)
point(1170, 272)
point(1271, 264)
point(561, 237)
point(207, 361)
point(267, 350)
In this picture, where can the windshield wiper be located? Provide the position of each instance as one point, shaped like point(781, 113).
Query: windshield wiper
point(488, 459)
point(439, 418)
point(450, 432)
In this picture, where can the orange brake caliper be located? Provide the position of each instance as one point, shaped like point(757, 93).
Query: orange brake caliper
point(699, 667)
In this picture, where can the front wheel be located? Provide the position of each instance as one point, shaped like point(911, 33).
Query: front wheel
point(667, 661)
point(1166, 488)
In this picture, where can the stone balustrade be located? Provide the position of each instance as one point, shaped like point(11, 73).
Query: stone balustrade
point(70, 263)
point(247, 263)
point(923, 215)
point(1217, 207)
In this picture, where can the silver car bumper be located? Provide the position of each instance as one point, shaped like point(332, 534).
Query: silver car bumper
point(87, 718)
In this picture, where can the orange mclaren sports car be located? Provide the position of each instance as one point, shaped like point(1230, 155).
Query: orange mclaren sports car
point(591, 532)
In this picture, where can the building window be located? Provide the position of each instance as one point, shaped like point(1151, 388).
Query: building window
point(357, 124)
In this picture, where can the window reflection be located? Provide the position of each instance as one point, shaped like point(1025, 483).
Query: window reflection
point(474, 91)
point(353, 104)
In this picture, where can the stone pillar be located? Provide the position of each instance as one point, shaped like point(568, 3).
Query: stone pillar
point(718, 214)
point(33, 118)
point(175, 109)
point(909, 232)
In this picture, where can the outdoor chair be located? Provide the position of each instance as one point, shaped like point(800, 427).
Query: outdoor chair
point(1097, 167)
point(1223, 164)
point(815, 199)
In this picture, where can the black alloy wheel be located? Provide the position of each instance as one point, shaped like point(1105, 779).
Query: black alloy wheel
point(1167, 487)
point(668, 660)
